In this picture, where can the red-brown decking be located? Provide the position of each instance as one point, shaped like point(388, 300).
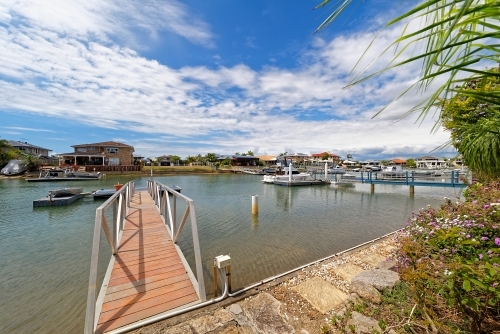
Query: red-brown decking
point(148, 276)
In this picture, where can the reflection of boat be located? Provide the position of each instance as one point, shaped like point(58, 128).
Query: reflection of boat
point(103, 193)
point(66, 175)
point(14, 167)
point(348, 176)
point(393, 172)
point(65, 192)
point(254, 171)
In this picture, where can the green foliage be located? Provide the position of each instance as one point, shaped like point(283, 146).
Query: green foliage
point(175, 159)
point(325, 156)
point(474, 125)
point(250, 153)
point(7, 152)
point(226, 162)
point(212, 157)
point(453, 254)
point(456, 35)
point(411, 163)
point(32, 162)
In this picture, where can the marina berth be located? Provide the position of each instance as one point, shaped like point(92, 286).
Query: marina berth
point(57, 174)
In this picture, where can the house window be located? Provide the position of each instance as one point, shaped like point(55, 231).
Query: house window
point(112, 149)
point(114, 161)
point(91, 148)
point(81, 149)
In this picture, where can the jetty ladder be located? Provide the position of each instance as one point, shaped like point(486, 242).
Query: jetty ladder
point(147, 275)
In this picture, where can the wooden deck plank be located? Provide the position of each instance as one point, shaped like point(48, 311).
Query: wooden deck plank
point(148, 276)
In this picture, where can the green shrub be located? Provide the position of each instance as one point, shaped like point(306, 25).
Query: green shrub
point(452, 254)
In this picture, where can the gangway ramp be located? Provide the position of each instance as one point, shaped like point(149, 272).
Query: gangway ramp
point(147, 275)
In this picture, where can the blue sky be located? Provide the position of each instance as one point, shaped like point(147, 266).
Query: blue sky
point(193, 77)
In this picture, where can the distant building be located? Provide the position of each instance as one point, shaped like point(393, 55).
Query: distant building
point(40, 152)
point(103, 153)
point(268, 160)
point(430, 162)
point(164, 160)
point(240, 160)
point(399, 162)
point(317, 158)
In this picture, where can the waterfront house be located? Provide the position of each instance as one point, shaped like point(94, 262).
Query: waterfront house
point(297, 158)
point(370, 163)
point(430, 162)
point(109, 153)
point(240, 160)
point(40, 152)
point(398, 162)
point(317, 158)
point(164, 160)
point(268, 160)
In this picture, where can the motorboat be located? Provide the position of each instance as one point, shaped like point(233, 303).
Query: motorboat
point(14, 167)
point(375, 168)
point(269, 171)
point(58, 174)
point(65, 192)
point(283, 175)
point(254, 171)
point(336, 170)
point(103, 193)
point(391, 172)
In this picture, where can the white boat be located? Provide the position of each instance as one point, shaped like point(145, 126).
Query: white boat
point(390, 172)
point(282, 175)
point(14, 167)
point(65, 192)
point(103, 193)
point(375, 168)
point(336, 170)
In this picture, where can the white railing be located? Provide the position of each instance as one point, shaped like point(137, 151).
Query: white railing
point(120, 203)
point(161, 195)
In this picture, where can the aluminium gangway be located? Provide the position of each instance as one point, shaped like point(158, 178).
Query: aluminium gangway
point(147, 275)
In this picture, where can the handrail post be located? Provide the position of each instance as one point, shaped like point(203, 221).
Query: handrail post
point(197, 253)
point(174, 216)
point(94, 270)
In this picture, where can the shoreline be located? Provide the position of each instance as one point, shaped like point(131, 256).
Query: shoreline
point(294, 310)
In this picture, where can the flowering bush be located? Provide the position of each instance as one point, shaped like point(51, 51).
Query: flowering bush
point(452, 255)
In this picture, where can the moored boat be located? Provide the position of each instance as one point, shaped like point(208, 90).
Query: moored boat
point(14, 167)
point(103, 193)
point(57, 174)
point(65, 192)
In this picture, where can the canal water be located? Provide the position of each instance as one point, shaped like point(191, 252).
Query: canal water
point(45, 252)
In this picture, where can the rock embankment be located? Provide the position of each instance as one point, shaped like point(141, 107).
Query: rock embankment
point(304, 302)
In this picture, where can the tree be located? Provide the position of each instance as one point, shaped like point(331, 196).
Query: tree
point(349, 157)
point(456, 35)
point(32, 162)
point(7, 152)
point(175, 159)
point(211, 157)
point(250, 153)
point(411, 163)
point(474, 125)
point(325, 156)
point(237, 153)
point(384, 162)
point(226, 162)
point(190, 159)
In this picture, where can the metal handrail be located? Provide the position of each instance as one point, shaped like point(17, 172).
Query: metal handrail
point(120, 201)
point(161, 195)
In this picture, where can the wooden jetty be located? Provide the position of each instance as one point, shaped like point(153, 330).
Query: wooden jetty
point(147, 275)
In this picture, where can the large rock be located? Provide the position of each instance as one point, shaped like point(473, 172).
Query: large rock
point(263, 313)
point(380, 279)
point(347, 271)
point(320, 294)
point(366, 291)
point(361, 324)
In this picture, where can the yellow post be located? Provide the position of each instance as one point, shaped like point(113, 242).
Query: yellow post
point(372, 188)
point(412, 190)
point(255, 204)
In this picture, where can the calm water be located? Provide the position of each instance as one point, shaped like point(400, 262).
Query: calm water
point(45, 259)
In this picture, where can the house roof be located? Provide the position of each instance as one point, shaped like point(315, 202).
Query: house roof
point(319, 155)
point(164, 157)
point(428, 157)
point(14, 143)
point(267, 157)
point(81, 154)
point(399, 161)
point(104, 143)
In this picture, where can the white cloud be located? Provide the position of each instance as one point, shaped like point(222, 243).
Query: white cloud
point(59, 59)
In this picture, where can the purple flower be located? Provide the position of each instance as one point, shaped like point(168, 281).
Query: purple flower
point(474, 202)
point(497, 241)
point(486, 206)
point(484, 238)
point(480, 256)
point(495, 285)
point(468, 237)
point(495, 227)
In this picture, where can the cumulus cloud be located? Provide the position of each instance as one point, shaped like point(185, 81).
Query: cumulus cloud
point(63, 59)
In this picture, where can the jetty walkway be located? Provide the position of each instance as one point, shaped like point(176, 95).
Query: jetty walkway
point(147, 274)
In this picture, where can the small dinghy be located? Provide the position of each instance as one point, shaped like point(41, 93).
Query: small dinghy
point(103, 193)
